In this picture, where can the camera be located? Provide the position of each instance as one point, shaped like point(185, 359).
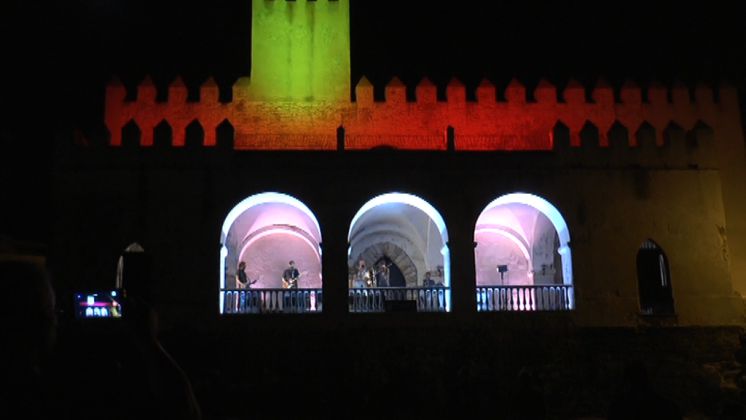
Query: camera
point(104, 304)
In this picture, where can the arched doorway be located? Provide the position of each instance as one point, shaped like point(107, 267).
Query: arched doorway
point(654, 280)
point(407, 232)
point(266, 231)
point(522, 256)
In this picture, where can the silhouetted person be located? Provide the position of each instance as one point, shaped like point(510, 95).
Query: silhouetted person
point(428, 281)
point(163, 387)
point(527, 398)
point(638, 401)
point(290, 276)
point(382, 275)
point(242, 278)
point(119, 367)
point(28, 323)
point(362, 275)
point(146, 383)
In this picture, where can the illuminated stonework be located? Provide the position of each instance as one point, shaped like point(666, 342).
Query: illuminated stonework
point(298, 95)
point(668, 140)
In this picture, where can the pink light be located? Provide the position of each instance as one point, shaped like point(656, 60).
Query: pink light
point(281, 231)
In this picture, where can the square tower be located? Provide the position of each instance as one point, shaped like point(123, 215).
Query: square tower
point(300, 51)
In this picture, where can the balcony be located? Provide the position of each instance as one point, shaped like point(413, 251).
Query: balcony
point(525, 298)
point(384, 299)
point(261, 301)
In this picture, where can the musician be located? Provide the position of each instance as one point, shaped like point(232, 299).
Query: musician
point(382, 275)
point(362, 276)
point(243, 280)
point(428, 281)
point(290, 276)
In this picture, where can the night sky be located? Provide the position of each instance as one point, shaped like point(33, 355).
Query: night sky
point(57, 56)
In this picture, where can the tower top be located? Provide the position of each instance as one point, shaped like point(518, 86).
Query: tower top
point(300, 51)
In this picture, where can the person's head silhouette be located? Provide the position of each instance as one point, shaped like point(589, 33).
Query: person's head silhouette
point(27, 313)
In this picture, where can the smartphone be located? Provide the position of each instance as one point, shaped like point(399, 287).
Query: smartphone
point(100, 304)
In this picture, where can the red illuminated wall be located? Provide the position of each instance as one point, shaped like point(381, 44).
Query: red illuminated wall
point(486, 124)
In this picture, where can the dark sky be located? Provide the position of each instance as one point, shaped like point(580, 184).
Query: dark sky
point(58, 55)
point(61, 53)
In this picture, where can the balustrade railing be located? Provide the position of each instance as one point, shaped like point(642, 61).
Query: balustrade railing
point(287, 301)
point(525, 298)
point(425, 299)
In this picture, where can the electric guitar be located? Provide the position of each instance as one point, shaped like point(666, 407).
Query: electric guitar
point(292, 283)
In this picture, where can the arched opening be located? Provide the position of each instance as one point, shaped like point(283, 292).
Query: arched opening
point(131, 135)
point(407, 234)
point(259, 238)
point(194, 135)
point(225, 134)
point(560, 136)
point(162, 135)
point(522, 256)
point(654, 280)
point(618, 136)
point(589, 136)
point(645, 137)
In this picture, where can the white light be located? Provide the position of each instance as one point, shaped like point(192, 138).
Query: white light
point(403, 198)
point(265, 198)
point(554, 216)
point(286, 231)
point(539, 204)
point(425, 207)
point(513, 238)
point(223, 255)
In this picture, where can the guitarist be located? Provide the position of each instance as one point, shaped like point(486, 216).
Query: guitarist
point(243, 280)
point(290, 276)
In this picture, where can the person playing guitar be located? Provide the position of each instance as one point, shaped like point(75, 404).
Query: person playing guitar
point(290, 276)
point(243, 280)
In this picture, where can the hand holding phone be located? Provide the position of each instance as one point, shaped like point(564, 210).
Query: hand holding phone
point(99, 304)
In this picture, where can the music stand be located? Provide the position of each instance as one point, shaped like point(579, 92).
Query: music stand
point(502, 269)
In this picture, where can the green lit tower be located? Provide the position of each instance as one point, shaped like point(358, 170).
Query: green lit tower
point(300, 51)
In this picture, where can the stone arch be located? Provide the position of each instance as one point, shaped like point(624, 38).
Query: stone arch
point(523, 215)
point(396, 236)
point(654, 280)
point(404, 221)
point(267, 230)
point(375, 252)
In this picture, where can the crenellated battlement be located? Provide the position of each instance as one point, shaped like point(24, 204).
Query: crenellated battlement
point(525, 120)
point(298, 97)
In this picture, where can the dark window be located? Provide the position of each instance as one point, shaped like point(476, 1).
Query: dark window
point(654, 280)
